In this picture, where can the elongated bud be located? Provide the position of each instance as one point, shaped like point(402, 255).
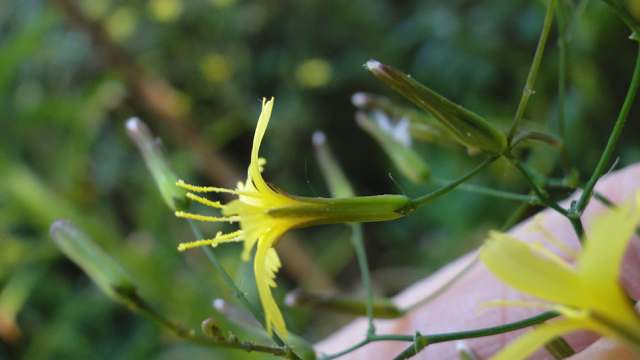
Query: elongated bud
point(332, 211)
point(13, 296)
point(469, 128)
point(99, 266)
point(422, 127)
point(397, 148)
point(333, 174)
point(174, 197)
point(383, 308)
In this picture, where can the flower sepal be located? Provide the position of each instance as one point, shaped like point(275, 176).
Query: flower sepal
point(343, 210)
point(467, 127)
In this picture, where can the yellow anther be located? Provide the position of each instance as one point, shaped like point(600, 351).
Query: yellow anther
point(186, 215)
point(183, 185)
point(215, 204)
point(220, 238)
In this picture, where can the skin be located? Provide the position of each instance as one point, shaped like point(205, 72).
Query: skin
point(459, 308)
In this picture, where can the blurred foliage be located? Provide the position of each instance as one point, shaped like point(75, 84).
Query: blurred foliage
point(73, 71)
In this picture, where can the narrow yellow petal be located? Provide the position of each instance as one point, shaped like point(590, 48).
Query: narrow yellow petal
point(606, 244)
point(518, 266)
point(255, 167)
point(528, 343)
point(264, 274)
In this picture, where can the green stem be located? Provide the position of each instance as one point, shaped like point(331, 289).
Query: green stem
point(283, 352)
point(533, 72)
point(417, 202)
point(358, 244)
point(542, 195)
point(557, 143)
point(490, 192)
point(574, 21)
point(625, 17)
point(613, 138)
point(515, 216)
point(188, 335)
point(432, 339)
point(227, 279)
point(563, 40)
point(421, 341)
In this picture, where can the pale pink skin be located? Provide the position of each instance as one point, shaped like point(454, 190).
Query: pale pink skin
point(458, 309)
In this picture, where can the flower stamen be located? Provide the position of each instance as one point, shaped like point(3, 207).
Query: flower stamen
point(215, 204)
point(536, 225)
point(220, 238)
point(186, 215)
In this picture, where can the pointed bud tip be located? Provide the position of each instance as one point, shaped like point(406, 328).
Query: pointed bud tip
point(138, 130)
point(292, 298)
point(319, 138)
point(133, 124)
point(219, 305)
point(374, 65)
point(360, 99)
point(62, 225)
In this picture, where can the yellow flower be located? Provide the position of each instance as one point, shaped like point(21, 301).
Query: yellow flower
point(588, 294)
point(266, 213)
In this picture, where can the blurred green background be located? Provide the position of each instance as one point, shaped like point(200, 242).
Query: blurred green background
point(73, 71)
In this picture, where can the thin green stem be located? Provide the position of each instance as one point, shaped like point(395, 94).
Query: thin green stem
point(358, 244)
point(563, 41)
point(556, 142)
point(283, 352)
point(188, 335)
point(625, 17)
point(421, 341)
point(227, 279)
point(347, 350)
point(417, 202)
point(515, 216)
point(576, 15)
point(490, 192)
point(146, 310)
point(425, 340)
point(542, 195)
point(533, 72)
point(603, 164)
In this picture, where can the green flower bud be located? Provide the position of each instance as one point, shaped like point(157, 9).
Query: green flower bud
point(422, 127)
point(404, 157)
point(99, 266)
point(308, 211)
point(335, 178)
point(469, 128)
point(164, 177)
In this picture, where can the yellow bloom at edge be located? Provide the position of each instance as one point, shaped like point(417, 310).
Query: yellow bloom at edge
point(588, 295)
point(266, 213)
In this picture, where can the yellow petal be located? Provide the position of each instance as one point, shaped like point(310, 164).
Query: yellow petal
point(518, 266)
point(265, 269)
point(528, 343)
point(254, 168)
point(605, 246)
